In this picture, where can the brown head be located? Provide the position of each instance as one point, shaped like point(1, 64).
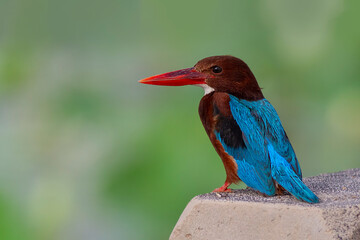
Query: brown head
point(220, 73)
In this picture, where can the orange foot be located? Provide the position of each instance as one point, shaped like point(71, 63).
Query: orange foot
point(223, 188)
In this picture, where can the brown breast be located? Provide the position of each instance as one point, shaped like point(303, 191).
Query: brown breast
point(213, 106)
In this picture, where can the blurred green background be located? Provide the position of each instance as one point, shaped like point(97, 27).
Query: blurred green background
point(86, 152)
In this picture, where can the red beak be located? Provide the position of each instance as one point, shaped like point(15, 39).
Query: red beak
point(187, 76)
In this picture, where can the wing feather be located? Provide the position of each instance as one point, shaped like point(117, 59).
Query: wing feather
point(254, 167)
point(268, 147)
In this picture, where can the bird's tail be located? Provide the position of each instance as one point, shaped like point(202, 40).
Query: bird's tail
point(283, 173)
point(288, 179)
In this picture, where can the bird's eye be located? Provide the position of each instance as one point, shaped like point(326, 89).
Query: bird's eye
point(216, 69)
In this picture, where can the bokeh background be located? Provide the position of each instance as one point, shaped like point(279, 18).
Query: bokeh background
point(86, 152)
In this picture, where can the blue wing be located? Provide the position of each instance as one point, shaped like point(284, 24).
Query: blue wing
point(267, 153)
point(254, 167)
point(270, 124)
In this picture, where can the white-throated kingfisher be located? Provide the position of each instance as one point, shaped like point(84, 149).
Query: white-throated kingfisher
point(243, 127)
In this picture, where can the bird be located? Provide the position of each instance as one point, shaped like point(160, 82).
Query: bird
point(243, 127)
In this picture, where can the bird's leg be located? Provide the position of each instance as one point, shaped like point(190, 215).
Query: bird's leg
point(223, 188)
point(279, 190)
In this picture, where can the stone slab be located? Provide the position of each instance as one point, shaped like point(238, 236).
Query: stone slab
point(247, 214)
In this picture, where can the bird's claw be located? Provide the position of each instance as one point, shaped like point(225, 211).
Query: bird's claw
point(223, 188)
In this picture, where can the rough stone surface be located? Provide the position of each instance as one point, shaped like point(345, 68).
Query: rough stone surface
point(247, 214)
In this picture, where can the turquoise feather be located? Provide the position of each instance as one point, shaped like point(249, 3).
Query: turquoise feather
point(268, 154)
